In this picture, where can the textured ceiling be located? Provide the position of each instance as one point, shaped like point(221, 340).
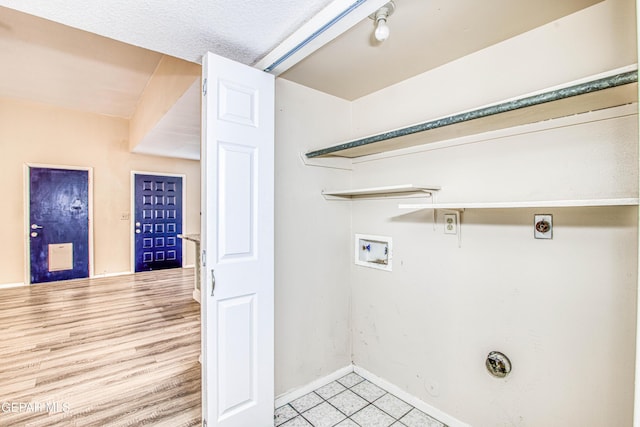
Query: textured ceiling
point(242, 30)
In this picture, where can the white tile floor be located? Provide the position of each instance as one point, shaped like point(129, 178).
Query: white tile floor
point(351, 401)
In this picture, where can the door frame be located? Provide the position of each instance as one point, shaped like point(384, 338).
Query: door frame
point(27, 215)
point(132, 212)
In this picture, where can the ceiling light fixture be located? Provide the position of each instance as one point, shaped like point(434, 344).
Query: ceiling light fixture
point(381, 32)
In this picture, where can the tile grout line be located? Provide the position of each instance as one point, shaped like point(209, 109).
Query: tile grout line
point(368, 403)
point(349, 417)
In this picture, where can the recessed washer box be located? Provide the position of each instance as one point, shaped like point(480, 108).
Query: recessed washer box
point(373, 251)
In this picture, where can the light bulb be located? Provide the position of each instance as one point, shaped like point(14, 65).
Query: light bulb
point(382, 30)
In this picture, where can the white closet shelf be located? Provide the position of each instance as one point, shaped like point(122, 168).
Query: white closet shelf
point(391, 190)
point(524, 204)
point(607, 90)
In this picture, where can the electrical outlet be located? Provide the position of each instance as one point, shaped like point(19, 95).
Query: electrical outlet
point(543, 226)
point(450, 223)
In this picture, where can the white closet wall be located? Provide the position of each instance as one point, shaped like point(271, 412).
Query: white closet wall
point(560, 309)
point(563, 309)
point(313, 251)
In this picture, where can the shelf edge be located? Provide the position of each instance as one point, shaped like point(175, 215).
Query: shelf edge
point(381, 191)
point(528, 204)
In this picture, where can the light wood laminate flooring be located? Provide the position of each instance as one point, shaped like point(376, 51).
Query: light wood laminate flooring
point(118, 351)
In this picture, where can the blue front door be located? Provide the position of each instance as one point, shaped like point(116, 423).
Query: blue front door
point(158, 221)
point(59, 224)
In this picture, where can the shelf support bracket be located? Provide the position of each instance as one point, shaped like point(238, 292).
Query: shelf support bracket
point(342, 163)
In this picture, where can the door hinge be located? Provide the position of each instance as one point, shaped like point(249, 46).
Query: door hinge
point(204, 423)
point(204, 258)
point(204, 87)
point(213, 281)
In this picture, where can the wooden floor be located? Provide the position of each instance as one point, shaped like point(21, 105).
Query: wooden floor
point(119, 351)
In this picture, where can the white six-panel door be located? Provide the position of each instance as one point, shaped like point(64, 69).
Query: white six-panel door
point(237, 236)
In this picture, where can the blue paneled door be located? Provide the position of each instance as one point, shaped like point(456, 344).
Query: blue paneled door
point(59, 224)
point(158, 221)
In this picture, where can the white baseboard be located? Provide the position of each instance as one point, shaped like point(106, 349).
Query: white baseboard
point(122, 273)
point(410, 399)
point(12, 285)
point(294, 394)
point(95, 276)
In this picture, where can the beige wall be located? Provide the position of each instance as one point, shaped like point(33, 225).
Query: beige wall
point(32, 133)
point(312, 291)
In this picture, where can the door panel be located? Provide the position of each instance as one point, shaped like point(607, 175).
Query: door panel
point(237, 215)
point(237, 235)
point(158, 221)
point(237, 331)
point(58, 224)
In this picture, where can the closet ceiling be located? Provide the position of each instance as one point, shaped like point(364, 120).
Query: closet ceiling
point(103, 56)
point(424, 35)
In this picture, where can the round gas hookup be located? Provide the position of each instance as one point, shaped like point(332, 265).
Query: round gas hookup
point(498, 364)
